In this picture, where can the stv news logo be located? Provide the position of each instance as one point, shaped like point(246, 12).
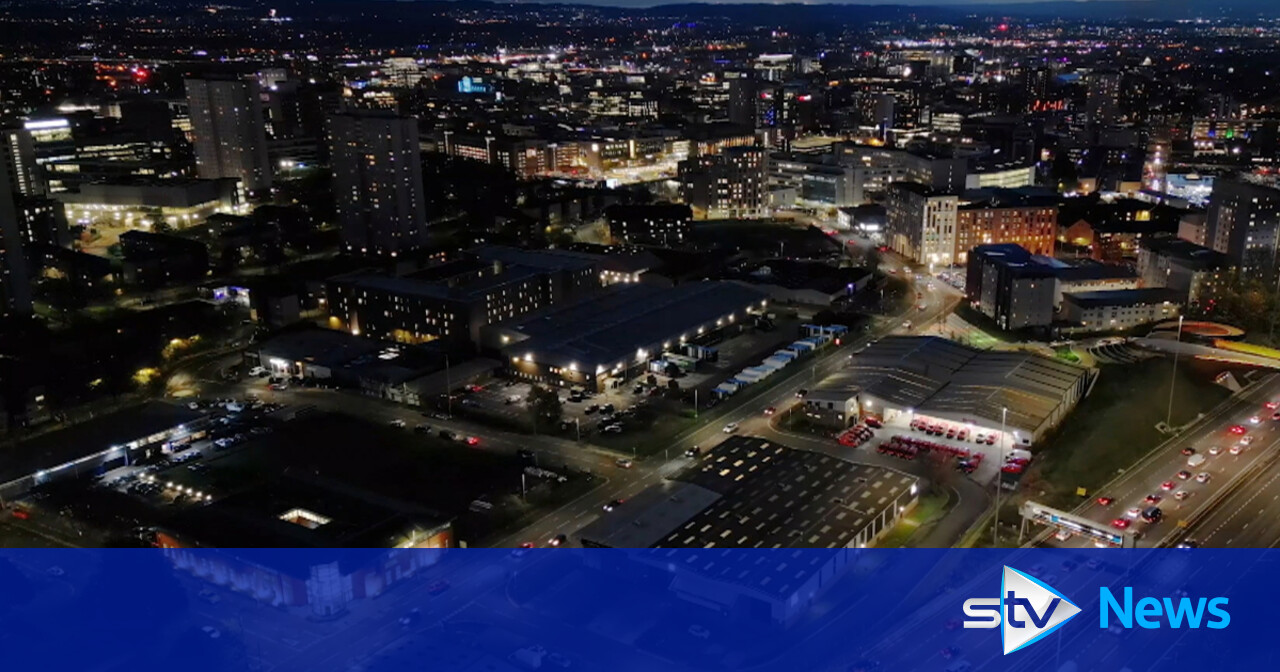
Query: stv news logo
point(1025, 612)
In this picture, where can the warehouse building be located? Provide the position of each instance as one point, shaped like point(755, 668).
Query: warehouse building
point(614, 334)
point(749, 492)
point(106, 442)
point(901, 378)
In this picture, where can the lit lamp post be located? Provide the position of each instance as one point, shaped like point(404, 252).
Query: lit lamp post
point(1173, 375)
point(995, 527)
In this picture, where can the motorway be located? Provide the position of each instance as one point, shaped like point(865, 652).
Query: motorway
point(1227, 473)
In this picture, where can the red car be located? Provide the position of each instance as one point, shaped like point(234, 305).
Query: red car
point(1120, 523)
point(1106, 501)
point(1184, 474)
point(1188, 451)
point(1272, 405)
point(1237, 429)
point(770, 410)
point(1152, 499)
point(473, 440)
point(437, 587)
point(949, 652)
point(1167, 485)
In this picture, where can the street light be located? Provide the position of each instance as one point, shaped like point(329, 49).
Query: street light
point(995, 527)
point(1173, 375)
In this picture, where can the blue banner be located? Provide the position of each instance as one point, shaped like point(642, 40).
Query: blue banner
point(669, 609)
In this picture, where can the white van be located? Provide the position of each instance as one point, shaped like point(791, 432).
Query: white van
point(1195, 461)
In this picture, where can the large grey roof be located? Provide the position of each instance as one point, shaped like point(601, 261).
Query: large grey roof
point(750, 492)
point(934, 374)
point(610, 326)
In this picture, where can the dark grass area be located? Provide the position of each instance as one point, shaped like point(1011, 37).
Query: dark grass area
point(422, 469)
point(1115, 426)
point(12, 536)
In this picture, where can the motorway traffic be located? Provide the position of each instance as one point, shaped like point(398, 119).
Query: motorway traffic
point(1163, 498)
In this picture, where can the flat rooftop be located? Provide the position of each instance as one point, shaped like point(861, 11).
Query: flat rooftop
point(324, 347)
point(303, 511)
point(1188, 252)
point(1126, 297)
point(610, 326)
point(92, 437)
point(1024, 263)
point(750, 492)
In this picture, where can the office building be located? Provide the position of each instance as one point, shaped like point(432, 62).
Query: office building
point(15, 284)
point(1243, 219)
point(1102, 100)
point(228, 129)
point(42, 221)
point(377, 182)
point(727, 185)
point(1000, 175)
point(1195, 271)
point(18, 155)
point(818, 180)
point(146, 202)
point(921, 223)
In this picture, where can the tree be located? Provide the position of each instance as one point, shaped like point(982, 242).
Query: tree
point(673, 385)
point(871, 258)
point(651, 380)
point(545, 409)
point(672, 370)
